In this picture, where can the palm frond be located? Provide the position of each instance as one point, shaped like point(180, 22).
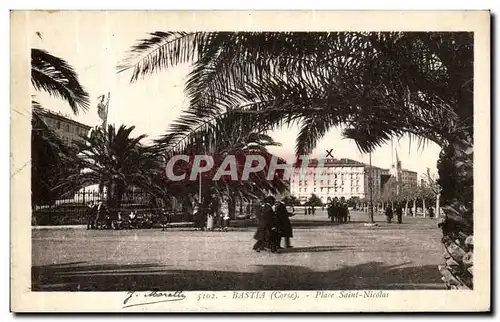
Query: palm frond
point(159, 51)
point(55, 76)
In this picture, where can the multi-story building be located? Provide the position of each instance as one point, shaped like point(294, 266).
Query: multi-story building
point(345, 178)
point(401, 180)
point(337, 178)
point(68, 130)
point(409, 178)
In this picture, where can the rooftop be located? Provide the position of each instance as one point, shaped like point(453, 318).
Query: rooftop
point(60, 116)
point(342, 162)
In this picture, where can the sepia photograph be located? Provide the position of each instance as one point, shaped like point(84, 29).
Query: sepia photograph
point(260, 161)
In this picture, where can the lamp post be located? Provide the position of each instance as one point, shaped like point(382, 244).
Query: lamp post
point(370, 186)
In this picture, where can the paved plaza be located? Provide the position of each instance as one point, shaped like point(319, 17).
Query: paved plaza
point(325, 256)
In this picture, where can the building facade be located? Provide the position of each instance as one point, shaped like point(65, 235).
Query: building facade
point(336, 178)
point(344, 178)
point(68, 130)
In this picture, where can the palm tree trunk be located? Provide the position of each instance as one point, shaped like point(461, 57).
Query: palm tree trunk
point(423, 207)
point(119, 191)
point(415, 207)
point(437, 205)
point(406, 207)
point(457, 222)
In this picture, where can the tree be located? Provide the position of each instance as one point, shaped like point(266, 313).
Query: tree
point(435, 188)
point(226, 136)
point(314, 201)
point(51, 160)
point(409, 192)
point(118, 161)
point(376, 85)
point(430, 191)
point(291, 201)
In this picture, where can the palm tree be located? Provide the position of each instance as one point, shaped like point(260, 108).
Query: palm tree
point(227, 136)
point(49, 156)
point(118, 161)
point(375, 85)
point(326, 84)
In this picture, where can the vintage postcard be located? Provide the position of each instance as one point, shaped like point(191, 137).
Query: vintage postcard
point(250, 161)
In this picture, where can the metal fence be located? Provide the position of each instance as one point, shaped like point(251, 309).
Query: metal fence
point(75, 210)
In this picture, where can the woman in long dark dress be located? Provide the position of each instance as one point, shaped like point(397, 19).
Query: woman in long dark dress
point(285, 226)
point(389, 213)
point(265, 225)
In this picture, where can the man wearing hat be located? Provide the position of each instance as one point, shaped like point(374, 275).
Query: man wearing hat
point(266, 219)
point(284, 225)
point(91, 215)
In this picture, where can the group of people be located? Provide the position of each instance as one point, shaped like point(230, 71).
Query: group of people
point(100, 217)
point(211, 215)
point(338, 211)
point(398, 209)
point(273, 226)
point(96, 214)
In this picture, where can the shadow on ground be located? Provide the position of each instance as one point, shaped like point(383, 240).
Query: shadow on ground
point(372, 275)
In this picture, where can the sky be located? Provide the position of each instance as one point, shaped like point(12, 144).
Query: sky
point(95, 42)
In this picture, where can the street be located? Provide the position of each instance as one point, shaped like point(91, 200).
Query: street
point(325, 256)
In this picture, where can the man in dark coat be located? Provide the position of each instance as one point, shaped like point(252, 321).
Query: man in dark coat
point(101, 212)
point(266, 220)
point(399, 212)
point(91, 215)
point(388, 213)
point(285, 226)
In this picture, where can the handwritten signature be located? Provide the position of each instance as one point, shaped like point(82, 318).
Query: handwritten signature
point(135, 299)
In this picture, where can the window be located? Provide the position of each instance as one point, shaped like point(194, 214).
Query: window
point(67, 128)
point(58, 125)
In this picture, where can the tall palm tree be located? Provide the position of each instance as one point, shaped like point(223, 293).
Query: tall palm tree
point(227, 136)
point(118, 161)
point(375, 85)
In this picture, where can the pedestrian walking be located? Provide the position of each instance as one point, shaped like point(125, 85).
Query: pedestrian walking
point(91, 215)
point(99, 214)
point(286, 230)
point(198, 216)
point(399, 213)
point(224, 215)
point(265, 225)
point(388, 213)
point(166, 218)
